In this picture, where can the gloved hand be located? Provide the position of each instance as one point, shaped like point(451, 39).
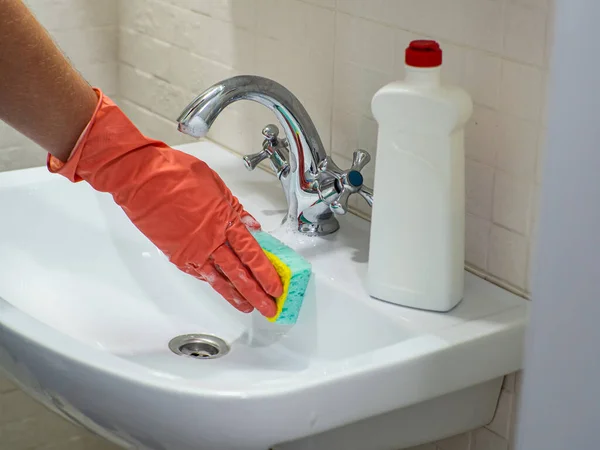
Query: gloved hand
point(179, 203)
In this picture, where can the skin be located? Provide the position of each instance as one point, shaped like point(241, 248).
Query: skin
point(41, 94)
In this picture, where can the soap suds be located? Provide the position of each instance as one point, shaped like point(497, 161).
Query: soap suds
point(288, 233)
point(210, 278)
point(196, 127)
point(242, 276)
point(251, 223)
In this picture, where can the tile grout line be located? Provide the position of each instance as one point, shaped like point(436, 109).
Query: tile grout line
point(451, 41)
point(333, 75)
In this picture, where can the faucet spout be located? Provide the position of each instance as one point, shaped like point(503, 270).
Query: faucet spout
point(312, 182)
point(197, 118)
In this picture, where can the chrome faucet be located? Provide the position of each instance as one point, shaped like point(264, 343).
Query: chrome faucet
point(316, 189)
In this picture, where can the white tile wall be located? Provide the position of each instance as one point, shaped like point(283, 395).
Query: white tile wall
point(333, 54)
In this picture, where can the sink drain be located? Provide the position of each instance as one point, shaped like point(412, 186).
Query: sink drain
point(201, 346)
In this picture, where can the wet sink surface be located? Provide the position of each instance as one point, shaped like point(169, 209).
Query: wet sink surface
point(80, 267)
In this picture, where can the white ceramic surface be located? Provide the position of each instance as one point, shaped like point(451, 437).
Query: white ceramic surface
point(88, 306)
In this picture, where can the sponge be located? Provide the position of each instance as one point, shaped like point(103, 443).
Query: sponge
point(295, 273)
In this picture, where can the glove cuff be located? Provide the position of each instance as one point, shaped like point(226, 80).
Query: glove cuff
point(68, 168)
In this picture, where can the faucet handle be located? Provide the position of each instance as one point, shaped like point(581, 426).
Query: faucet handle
point(253, 160)
point(367, 193)
point(336, 186)
point(274, 149)
point(360, 159)
point(271, 132)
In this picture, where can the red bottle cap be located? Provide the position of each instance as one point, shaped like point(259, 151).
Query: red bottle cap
point(424, 53)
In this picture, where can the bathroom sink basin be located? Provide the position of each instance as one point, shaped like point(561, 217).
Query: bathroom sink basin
point(88, 307)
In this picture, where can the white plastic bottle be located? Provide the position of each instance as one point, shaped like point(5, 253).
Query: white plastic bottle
point(416, 253)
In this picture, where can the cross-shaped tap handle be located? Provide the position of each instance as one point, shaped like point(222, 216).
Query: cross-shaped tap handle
point(336, 186)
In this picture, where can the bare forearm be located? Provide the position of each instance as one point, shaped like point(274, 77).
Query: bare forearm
point(41, 94)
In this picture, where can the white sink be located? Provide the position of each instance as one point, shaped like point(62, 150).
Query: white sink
point(88, 306)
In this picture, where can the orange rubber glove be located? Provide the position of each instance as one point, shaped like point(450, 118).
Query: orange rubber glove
point(179, 203)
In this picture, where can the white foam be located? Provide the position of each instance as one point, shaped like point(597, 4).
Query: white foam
point(290, 236)
point(196, 127)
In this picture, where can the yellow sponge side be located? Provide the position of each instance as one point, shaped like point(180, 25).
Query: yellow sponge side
point(285, 273)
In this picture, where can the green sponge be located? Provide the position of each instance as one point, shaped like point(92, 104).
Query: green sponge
point(295, 273)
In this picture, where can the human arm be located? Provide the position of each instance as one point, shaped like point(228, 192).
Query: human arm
point(176, 200)
point(41, 94)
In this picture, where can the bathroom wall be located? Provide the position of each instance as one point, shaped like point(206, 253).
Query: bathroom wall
point(334, 55)
point(86, 30)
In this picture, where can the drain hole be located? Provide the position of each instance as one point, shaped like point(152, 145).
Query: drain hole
point(199, 349)
point(201, 346)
